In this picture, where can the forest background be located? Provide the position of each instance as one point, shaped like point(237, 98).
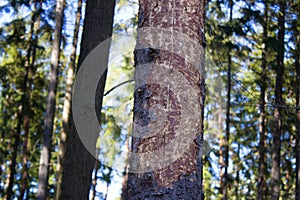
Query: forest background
point(252, 109)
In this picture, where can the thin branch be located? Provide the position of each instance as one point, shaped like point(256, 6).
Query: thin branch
point(120, 84)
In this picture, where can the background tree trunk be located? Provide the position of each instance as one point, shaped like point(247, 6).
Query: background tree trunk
point(51, 102)
point(22, 113)
point(278, 105)
point(228, 105)
point(78, 163)
point(261, 183)
point(297, 69)
point(68, 99)
point(166, 79)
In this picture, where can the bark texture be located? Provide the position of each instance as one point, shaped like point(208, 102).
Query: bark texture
point(78, 163)
point(51, 102)
point(168, 101)
point(278, 105)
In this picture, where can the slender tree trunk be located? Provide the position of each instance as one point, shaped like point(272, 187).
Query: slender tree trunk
point(51, 102)
point(106, 191)
point(261, 183)
point(278, 106)
point(27, 111)
point(227, 136)
point(221, 145)
point(78, 163)
point(25, 159)
point(68, 99)
point(237, 176)
point(297, 68)
point(166, 160)
point(124, 195)
point(20, 116)
point(94, 181)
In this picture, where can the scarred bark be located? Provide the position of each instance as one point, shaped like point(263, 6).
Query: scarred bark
point(169, 97)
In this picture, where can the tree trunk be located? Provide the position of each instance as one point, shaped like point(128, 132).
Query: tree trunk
point(166, 157)
point(51, 102)
point(278, 106)
point(68, 99)
point(124, 195)
point(25, 159)
point(228, 105)
point(237, 176)
point(20, 116)
point(261, 183)
point(24, 184)
point(94, 181)
point(297, 68)
point(221, 145)
point(78, 163)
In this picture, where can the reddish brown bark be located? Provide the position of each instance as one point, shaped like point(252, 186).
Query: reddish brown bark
point(168, 76)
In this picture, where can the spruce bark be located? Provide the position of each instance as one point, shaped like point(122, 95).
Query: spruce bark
point(165, 82)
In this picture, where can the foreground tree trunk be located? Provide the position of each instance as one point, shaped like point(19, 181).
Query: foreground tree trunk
point(78, 163)
point(261, 183)
point(68, 99)
point(51, 102)
point(278, 106)
point(166, 157)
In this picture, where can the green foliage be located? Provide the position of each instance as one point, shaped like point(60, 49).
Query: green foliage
point(242, 36)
